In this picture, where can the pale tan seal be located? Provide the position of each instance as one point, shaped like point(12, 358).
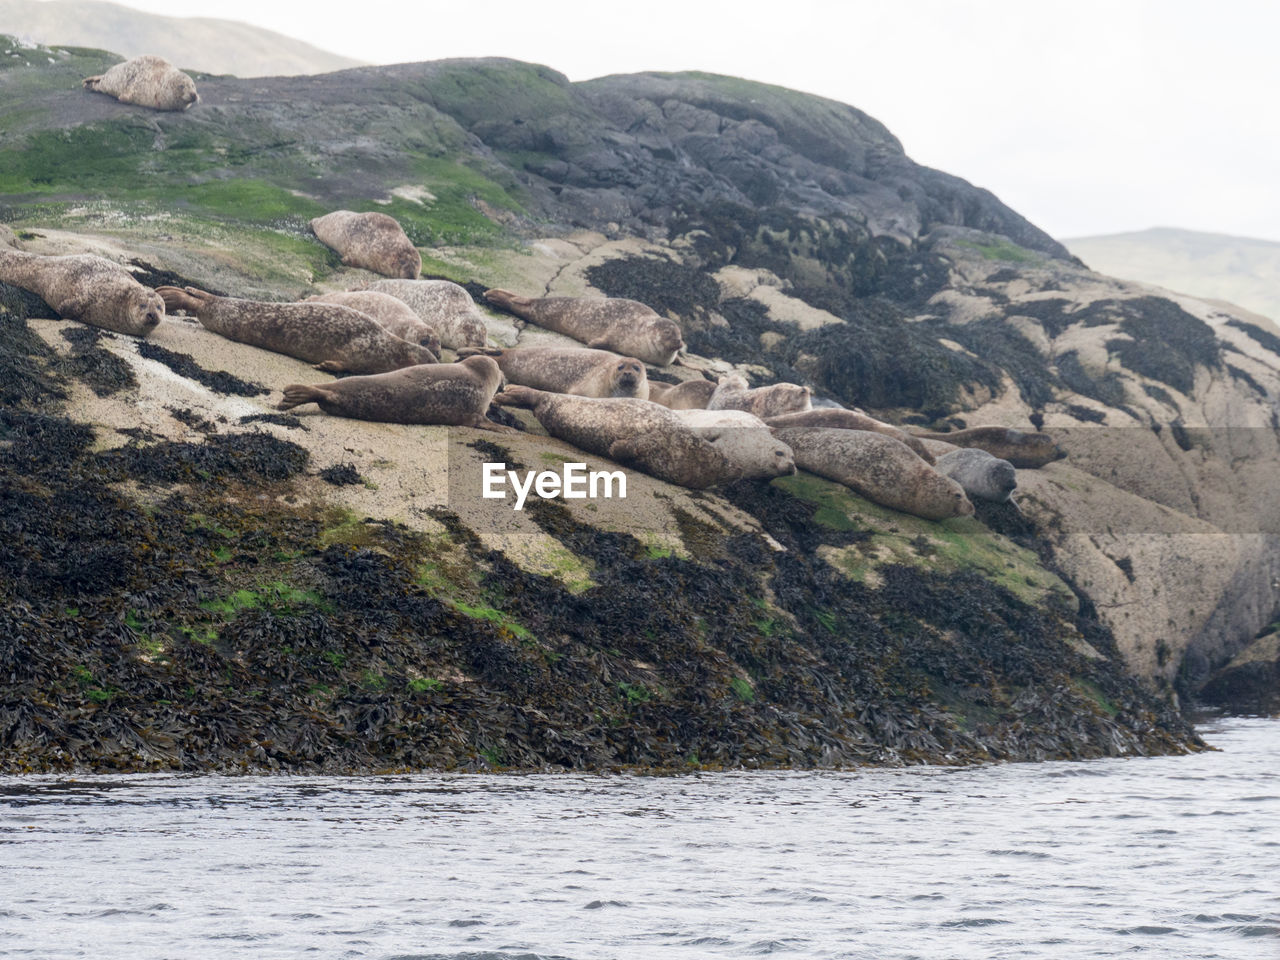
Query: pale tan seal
point(850, 420)
point(632, 432)
point(745, 440)
point(83, 287)
point(442, 305)
point(982, 475)
point(1022, 449)
point(579, 371)
point(884, 470)
point(449, 394)
point(147, 81)
point(604, 323)
point(689, 395)
point(732, 393)
point(394, 316)
point(333, 337)
point(373, 241)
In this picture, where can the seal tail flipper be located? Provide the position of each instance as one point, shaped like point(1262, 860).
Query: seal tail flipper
point(189, 299)
point(91, 83)
point(296, 394)
point(464, 352)
point(507, 300)
point(516, 396)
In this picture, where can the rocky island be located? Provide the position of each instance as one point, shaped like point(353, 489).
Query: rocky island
point(191, 579)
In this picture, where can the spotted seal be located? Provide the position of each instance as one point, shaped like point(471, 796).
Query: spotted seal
point(442, 305)
point(732, 393)
point(146, 81)
point(450, 394)
point(841, 419)
point(393, 315)
point(333, 337)
point(604, 323)
point(373, 241)
point(579, 371)
point(982, 475)
point(1023, 449)
point(632, 432)
point(689, 395)
point(745, 441)
point(87, 288)
point(884, 470)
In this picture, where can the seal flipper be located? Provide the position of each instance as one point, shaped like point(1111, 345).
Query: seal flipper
point(506, 300)
point(517, 396)
point(296, 394)
point(331, 366)
point(92, 83)
point(71, 308)
point(189, 299)
point(464, 352)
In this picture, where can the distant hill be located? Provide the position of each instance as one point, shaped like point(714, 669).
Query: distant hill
point(1242, 270)
point(199, 43)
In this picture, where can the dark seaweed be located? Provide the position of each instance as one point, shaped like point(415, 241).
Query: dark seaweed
point(341, 474)
point(218, 381)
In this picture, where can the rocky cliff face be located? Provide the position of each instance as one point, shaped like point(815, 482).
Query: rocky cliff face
point(792, 239)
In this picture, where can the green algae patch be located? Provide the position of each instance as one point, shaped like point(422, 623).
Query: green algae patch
point(952, 545)
point(998, 248)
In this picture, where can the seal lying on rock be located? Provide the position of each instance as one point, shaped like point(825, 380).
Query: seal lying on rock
point(632, 432)
point(451, 394)
point(982, 475)
point(333, 337)
point(147, 81)
point(1022, 449)
point(841, 419)
point(745, 441)
point(87, 288)
point(884, 470)
point(732, 393)
point(690, 395)
point(394, 316)
point(442, 305)
point(581, 372)
point(605, 323)
point(374, 241)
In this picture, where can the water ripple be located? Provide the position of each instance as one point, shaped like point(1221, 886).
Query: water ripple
point(1162, 857)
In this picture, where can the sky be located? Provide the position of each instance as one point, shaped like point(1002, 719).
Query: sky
point(1087, 117)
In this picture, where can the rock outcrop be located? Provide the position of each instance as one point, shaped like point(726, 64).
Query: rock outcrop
point(792, 239)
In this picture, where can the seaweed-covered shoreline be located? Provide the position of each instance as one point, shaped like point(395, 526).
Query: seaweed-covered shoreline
point(172, 605)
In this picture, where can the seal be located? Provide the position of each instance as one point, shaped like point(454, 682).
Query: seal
point(1024, 450)
point(442, 305)
point(841, 419)
point(732, 393)
point(87, 288)
point(745, 441)
point(604, 323)
point(982, 475)
point(632, 432)
point(147, 81)
point(449, 394)
point(333, 337)
point(392, 315)
point(689, 395)
point(374, 241)
point(581, 372)
point(884, 470)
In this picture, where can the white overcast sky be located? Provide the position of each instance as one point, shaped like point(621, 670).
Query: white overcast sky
point(1087, 117)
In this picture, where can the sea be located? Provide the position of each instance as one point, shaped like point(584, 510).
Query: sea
point(1174, 857)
